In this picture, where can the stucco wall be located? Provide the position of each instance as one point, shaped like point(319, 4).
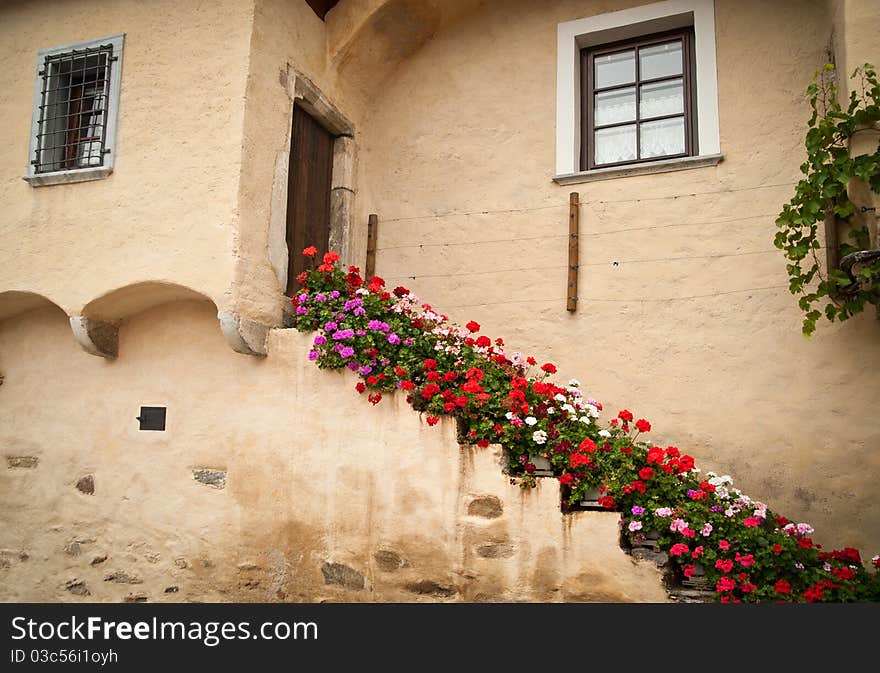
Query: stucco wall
point(325, 496)
point(168, 211)
point(694, 328)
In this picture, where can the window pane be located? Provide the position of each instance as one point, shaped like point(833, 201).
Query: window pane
point(662, 138)
point(617, 105)
point(615, 144)
point(614, 69)
point(662, 98)
point(660, 60)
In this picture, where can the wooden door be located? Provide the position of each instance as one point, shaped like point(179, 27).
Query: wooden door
point(308, 192)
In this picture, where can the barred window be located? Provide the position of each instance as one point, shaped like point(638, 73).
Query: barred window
point(74, 118)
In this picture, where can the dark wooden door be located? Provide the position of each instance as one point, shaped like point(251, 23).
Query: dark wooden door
point(308, 192)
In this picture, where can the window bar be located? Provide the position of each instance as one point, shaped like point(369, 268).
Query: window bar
point(44, 73)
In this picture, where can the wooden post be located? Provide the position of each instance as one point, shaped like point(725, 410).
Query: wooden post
point(832, 244)
point(372, 233)
point(573, 224)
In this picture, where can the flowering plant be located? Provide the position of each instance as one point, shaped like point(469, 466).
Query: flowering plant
point(395, 342)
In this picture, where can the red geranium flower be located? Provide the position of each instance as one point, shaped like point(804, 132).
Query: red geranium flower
point(655, 455)
point(531, 360)
point(433, 420)
point(782, 587)
point(578, 459)
point(725, 565)
point(844, 573)
point(549, 367)
point(679, 549)
point(566, 479)
point(685, 464)
point(646, 473)
point(625, 415)
point(724, 545)
point(725, 584)
point(587, 446)
point(360, 387)
point(606, 501)
point(643, 425)
point(483, 342)
point(375, 398)
point(311, 251)
point(430, 364)
point(473, 326)
point(483, 443)
point(376, 284)
point(331, 257)
point(745, 560)
point(302, 278)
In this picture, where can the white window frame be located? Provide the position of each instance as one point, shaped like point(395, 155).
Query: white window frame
point(572, 36)
point(77, 174)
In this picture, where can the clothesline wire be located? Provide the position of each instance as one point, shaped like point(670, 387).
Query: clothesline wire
point(588, 264)
point(624, 301)
point(582, 235)
point(500, 211)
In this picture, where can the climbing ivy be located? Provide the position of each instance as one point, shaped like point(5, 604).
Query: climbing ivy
point(828, 170)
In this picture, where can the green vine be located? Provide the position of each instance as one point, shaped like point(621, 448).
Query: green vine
point(828, 170)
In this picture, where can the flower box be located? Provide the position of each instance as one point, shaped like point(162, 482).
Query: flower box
point(591, 500)
point(647, 539)
point(698, 579)
point(543, 468)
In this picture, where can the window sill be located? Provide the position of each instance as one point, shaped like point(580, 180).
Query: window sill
point(66, 177)
point(665, 166)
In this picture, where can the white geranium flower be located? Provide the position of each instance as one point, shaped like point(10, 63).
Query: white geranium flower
point(539, 437)
point(585, 420)
point(574, 383)
point(570, 409)
point(531, 420)
point(508, 415)
point(592, 410)
point(559, 397)
point(551, 410)
point(604, 433)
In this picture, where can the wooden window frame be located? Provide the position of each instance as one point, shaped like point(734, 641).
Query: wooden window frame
point(587, 56)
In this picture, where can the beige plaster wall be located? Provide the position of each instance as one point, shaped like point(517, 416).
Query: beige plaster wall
point(326, 497)
point(168, 211)
point(694, 328)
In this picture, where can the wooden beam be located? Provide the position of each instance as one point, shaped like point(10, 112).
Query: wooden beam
point(372, 235)
point(573, 226)
point(832, 244)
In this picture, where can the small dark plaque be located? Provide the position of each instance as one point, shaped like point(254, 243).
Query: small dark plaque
point(152, 418)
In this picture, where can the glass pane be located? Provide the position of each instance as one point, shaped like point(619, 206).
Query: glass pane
point(661, 98)
point(617, 105)
point(662, 138)
point(615, 144)
point(614, 69)
point(660, 60)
